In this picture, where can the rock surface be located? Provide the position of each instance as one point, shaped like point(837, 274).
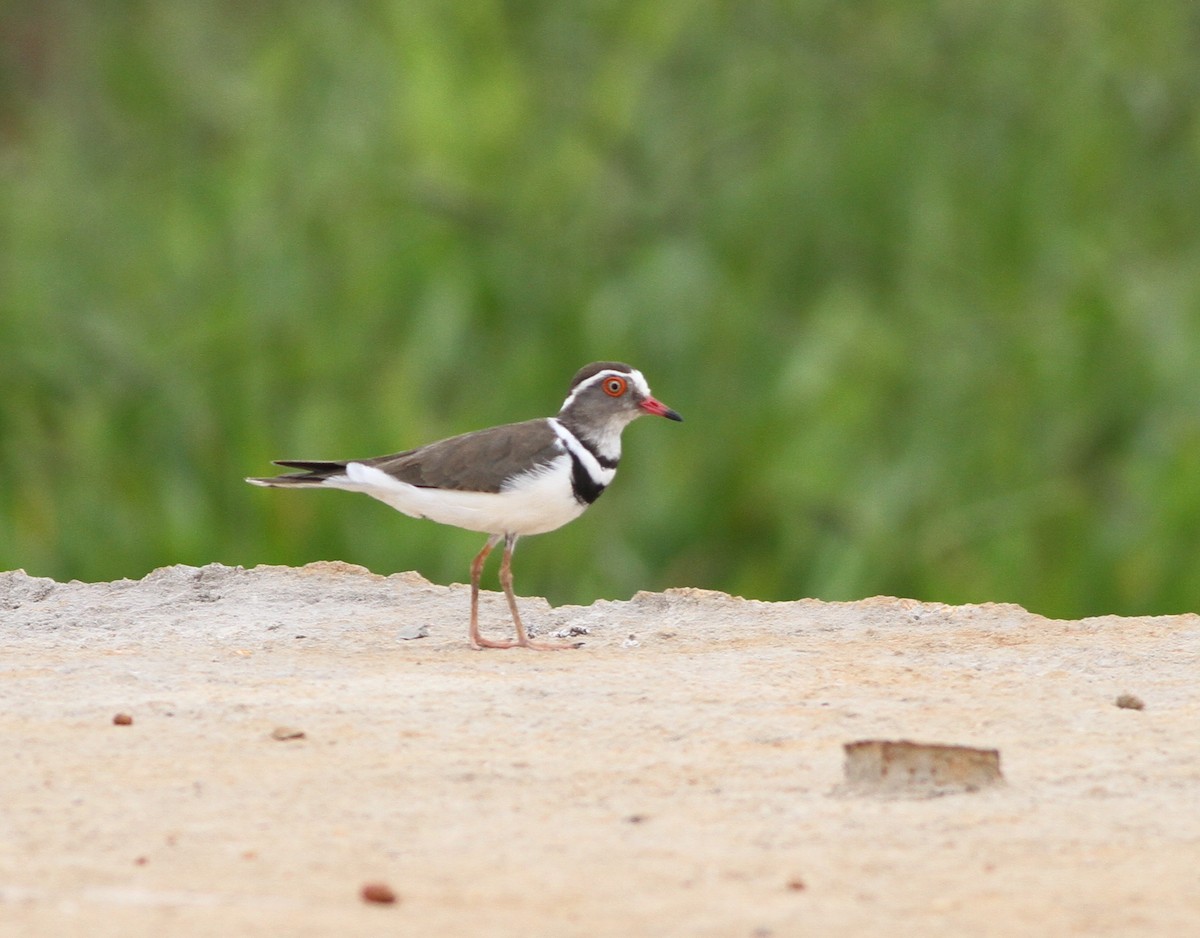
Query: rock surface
point(678, 775)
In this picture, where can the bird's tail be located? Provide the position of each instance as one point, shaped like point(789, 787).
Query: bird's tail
point(315, 473)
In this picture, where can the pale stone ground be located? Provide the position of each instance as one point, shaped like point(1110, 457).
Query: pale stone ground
point(680, 782)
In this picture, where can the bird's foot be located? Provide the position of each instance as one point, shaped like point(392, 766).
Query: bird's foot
point(479, 643)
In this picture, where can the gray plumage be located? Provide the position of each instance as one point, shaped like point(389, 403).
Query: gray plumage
point(481, 461)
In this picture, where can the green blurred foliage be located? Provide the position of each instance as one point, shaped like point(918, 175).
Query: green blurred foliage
point(924, 279)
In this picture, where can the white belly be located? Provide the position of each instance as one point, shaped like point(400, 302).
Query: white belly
point(530, 504)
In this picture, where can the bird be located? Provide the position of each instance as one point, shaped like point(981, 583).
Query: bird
point(509, 481)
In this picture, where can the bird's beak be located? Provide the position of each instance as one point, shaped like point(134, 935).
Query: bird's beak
point(659, 409)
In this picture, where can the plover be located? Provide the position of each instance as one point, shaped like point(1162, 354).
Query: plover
point(508, 481)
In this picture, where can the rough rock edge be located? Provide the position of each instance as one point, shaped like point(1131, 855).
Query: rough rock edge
point(17, 587)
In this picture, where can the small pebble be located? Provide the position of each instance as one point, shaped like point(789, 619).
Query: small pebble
point(378, 892)
point(286, 732)
point(123, 719)
point(1130, 702)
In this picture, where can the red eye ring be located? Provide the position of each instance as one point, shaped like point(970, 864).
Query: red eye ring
point(614, 386)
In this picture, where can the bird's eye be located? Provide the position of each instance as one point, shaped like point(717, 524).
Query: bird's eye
point(614, 387)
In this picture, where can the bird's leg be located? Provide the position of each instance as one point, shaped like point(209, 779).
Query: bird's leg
point(523, 640)
point(477, 640)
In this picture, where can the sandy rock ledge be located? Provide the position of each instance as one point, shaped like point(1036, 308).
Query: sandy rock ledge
point(677, 775)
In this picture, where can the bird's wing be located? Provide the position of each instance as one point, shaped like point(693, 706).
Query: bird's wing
point(475, 462)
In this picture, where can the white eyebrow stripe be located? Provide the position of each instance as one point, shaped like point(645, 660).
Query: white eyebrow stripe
point(635, 377)
point(639, 382)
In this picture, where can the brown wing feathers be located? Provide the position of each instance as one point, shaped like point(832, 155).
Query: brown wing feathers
point(474, 462)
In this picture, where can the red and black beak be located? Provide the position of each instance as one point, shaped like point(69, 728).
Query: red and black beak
point(652, 406)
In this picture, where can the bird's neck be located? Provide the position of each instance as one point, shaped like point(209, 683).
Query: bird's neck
point(604, 440)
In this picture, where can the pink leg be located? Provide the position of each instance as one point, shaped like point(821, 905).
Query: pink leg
point(477, 640)
point(523, 640)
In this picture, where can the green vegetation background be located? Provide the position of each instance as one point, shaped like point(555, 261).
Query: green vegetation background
point(924, 279)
